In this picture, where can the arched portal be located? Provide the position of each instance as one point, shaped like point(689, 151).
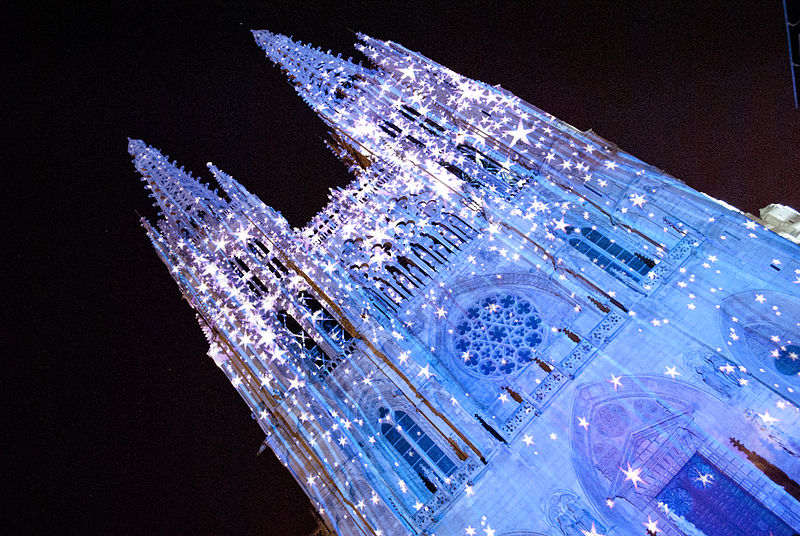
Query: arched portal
point(654, 448)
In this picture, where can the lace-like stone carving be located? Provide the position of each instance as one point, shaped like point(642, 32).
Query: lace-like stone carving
point(497, 335)
point(661, 271)
point(579, 355)
point(607, 327)
point(518, 418)
point(682, 249)
point(549, 387)
point(443, 497)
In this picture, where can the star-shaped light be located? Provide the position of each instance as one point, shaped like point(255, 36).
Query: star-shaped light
point(425, 371)
point(592, 532)
point(634, 475)
point(615, 380)
point(652, 526)
point(296, 383)
point(560, 225)
point(583, 422)
point(767, 418)
point(220, 244)
point(638, 200)
point(520, 134)
point(672, 372)
point(408, 72)
point(705, 478)
point(242, 235)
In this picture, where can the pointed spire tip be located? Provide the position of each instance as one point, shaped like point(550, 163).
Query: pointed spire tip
point(136, 146)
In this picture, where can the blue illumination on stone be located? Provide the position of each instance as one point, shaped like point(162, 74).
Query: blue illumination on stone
point(503, 326)
point(714, 504)
point(498, 335)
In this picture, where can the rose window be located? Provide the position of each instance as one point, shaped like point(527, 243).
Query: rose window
point(678, 500)
point(497, 335)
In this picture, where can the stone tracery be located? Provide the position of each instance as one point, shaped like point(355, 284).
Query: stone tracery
point(498, 334)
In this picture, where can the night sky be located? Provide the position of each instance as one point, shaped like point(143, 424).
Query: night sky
point(119, 422)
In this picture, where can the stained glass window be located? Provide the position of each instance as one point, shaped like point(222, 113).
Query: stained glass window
point(415, 447)
point(788, 360)
point(498, 335)
point(608, 255)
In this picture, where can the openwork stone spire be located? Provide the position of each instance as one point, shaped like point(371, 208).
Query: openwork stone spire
point(500, 314)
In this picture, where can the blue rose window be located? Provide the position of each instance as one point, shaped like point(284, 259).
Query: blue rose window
point(678, 500)
point(497, 335)
point(701, 475)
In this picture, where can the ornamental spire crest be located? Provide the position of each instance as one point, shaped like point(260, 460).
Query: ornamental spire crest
point(496, 299)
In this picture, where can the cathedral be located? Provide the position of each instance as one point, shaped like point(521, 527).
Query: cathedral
point(503, 326)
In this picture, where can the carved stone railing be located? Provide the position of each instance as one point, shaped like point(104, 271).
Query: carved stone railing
point(521, 415)
point(579, 356)
point(443, 497)
point(603, 331)
point(544, 393)
point(682, 249)
point(656, 275)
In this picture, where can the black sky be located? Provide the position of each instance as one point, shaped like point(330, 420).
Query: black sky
point(119, 423)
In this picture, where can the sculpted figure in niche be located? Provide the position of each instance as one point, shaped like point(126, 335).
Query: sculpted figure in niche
point(707, 364)
point(566, 512)
point(774, 434)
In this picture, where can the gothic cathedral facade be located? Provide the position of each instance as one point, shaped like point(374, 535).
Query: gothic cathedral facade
point(502, 326)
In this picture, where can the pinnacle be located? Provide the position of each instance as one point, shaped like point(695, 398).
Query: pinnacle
point(136, 147)
point(262, 34)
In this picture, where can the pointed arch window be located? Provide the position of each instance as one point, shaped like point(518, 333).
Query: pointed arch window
point(325, 320)
point(257, 248)
point(609, 255)
point(323, 323)
point(250, 278)
point(308, 346)
point(426, 459)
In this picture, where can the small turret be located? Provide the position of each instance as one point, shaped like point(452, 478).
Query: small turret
point(183, 201)
point(323, 81)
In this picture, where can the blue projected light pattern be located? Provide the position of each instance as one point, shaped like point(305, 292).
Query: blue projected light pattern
point(607, 254)
point(788, 361)
point(495, 288)
point(715, 504)
point(498, 335)
point(398, 436)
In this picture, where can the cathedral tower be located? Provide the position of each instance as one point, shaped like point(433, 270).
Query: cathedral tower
point(501, 326)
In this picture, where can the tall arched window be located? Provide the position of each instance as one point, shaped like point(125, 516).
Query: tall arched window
point(426, 459)
point(608, 255)
point(324, 319)
point(308, 346)
point(425, 443)
point(241, 269)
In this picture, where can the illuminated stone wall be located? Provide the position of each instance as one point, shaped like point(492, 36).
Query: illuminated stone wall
point(502, 326)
